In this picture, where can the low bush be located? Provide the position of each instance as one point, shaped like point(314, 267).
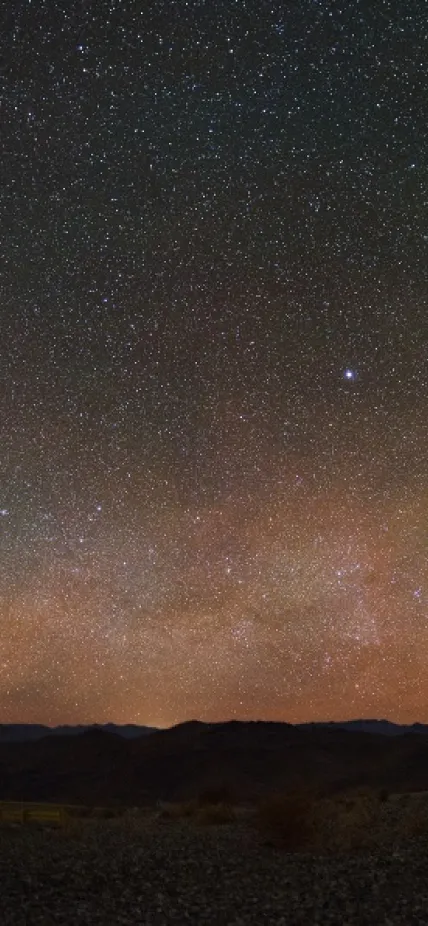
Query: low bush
point(302, 821)
point(182, 810)
point(286, 821)
point(106, 813)
point(349, 821)
point(219, 813)
point(215, 814)
point(217, 794)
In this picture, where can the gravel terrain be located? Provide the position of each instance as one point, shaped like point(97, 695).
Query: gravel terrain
point(145, 872)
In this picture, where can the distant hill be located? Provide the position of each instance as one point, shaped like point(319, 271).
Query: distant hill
point(383, 727)
point(245, 760)
point(30, 732)
point(24, 733)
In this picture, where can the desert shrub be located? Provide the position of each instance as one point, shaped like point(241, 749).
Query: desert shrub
point(286, 821)
point(137, 813)
point(350, 821)
point(412, 816)
point(182, 810)
point(195, 812)
point(302, 820)
point(106, 813)
point(79, 812)
point(372, 821)
point(217, 794)
point(215, 814)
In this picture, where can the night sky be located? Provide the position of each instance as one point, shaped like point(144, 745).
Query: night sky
point(213, 360)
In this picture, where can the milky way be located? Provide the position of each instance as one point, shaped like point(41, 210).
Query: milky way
point(213, 361)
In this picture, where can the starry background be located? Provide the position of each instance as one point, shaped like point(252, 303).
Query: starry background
point(213, 360)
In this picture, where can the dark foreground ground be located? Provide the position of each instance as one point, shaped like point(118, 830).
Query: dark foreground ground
point(142, 871)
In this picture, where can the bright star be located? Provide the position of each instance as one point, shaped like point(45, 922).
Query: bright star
point(349, 375)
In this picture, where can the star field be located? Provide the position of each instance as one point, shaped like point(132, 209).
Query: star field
point(213, 361)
